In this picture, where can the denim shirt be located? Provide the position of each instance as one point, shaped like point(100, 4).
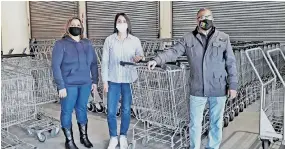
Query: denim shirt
point(114, 51)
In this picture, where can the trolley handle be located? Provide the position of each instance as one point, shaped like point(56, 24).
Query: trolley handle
point(16, 55)
point(177, 63)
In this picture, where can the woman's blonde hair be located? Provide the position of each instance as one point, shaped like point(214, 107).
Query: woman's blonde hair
point(66, 28)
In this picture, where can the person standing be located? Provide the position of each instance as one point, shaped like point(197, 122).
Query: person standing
point(73, 59)
point(213, 75)
point(120, 46)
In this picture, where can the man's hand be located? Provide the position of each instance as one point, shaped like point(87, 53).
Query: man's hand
point(62, 93)
point(151, 65)
point(232, 94)
point(94, 88)
point(137, 58)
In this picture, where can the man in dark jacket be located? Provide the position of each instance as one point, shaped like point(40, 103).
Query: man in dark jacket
point(213, 75)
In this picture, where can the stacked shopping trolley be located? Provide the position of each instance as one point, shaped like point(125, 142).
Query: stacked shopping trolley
point(271, 92)
point(27, 83)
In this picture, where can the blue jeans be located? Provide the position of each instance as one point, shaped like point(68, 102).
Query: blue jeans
point(197, 106)
point(114, 93)
point(77, 98)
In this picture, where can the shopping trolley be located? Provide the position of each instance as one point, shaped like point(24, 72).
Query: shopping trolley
point(44, 92)
point(16, 104)
point(272, 98)
point(151, 46)
point(160, 102)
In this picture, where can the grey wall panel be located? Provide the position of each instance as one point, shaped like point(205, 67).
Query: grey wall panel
point(48, 18)
point(242, 20)
point(144, 16)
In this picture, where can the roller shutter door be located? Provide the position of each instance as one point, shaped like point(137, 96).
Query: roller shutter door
point(242, 20)
point(48, 18)
point(143, 15)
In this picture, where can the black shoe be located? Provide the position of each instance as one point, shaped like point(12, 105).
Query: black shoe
point(69, 141)
point(83, 136)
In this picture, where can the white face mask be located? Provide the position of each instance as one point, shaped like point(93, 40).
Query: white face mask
point(122, 27)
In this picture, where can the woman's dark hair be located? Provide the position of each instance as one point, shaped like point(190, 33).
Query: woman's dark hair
point(129, 30)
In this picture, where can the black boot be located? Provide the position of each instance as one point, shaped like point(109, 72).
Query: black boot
point(83, 136)
point(69, 141)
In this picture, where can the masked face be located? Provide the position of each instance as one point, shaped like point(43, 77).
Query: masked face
point(75, 28)
point(205, 20)
point(122, 27)
point(206, 24)
point(75, 31)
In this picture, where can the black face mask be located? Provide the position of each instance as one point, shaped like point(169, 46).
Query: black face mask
point(206, 24)
point(75, 31)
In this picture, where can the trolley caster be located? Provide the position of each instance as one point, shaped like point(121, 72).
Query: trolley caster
point(246, 104)
point(265, 144)
point(231, 116)
point(41, 137)
point(241, 107)
point(39, 116)
point(144, 141)
point(133, 113)
point(132, 145)
point(226, 121)
point(30, 132)
point(236, 111)
point(54, 132)
point(99, 108)
point(90, 107)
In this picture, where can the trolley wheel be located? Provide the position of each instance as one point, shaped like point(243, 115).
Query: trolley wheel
point(41, 137)
point(226, 121)
point(54, 132)
point(236, 111)
point(133, 112)
point(132, 145)
point(265, 144)
point(245, 104)
point(39, 116)
point(241, 107)
point(99, 109)
point(231, 116)
point(144, 141)
point(90, 107)
point(30, 132)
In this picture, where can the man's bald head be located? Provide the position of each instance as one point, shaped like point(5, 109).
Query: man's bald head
point(204, 12)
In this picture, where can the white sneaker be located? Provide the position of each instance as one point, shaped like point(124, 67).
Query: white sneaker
point(113, 143)
point(123, 142)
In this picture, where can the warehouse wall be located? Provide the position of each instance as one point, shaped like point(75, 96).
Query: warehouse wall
point(165, 19)
point(14, 26)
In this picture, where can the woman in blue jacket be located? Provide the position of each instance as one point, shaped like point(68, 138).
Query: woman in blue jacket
point(73, 58)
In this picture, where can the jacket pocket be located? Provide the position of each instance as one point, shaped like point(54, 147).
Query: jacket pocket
point(218, 49)
point(219, 79)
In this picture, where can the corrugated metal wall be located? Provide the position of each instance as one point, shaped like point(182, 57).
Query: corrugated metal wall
point(49, 17)
point(144, 16)
point(242, 20)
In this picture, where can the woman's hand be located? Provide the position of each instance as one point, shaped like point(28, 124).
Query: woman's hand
point(62, 93)
point(106, 86)
point(94, 88)
point(137, 58)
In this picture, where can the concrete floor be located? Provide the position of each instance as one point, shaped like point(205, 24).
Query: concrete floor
point(242, 133)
